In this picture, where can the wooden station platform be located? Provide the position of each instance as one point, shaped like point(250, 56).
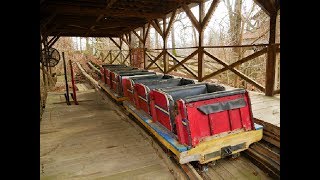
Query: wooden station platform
point(92, 141)
point(266, 111)
point(266, 108)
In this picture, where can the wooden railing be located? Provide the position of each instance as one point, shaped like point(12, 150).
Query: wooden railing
point(119, 58)
point(226, 66)
point(150, 60)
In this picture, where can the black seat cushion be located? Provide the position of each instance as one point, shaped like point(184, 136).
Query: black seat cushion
point(150, 78)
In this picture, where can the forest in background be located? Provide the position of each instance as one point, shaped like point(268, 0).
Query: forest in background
point(234, 22)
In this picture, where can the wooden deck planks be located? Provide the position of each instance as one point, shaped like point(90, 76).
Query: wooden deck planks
point(266, 108)
point(240, 168)
point(92, 141)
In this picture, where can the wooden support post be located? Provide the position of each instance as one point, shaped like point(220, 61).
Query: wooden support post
point(271, 59)
point(200, 48)
point(120, 48)
point(130, 49)
point(164, 37)
point(110, 56)
point(144, 47)
point(46, 47)
point(66, 79)
point(43, 73)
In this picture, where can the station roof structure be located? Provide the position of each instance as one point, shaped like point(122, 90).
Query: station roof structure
point(110, 18)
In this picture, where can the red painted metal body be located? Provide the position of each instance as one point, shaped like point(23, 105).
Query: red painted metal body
point(116, 77)
point(108, 73)
point(193, 125)
point(110, 67)
point(160, 109)
point(141, 97)
point(197, 111)
point(141, 90)
point(128, 83)
point(102, 74)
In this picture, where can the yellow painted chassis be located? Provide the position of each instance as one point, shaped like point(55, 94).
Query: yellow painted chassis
point(206, 147)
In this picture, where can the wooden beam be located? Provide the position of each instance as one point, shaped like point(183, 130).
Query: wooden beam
point(126, 37)
point(237, 72)
point(144, 47)
point(47, 21)
point(185, 67)
point(130, 48)
point(146, 34)
point(164, 37)
point(115, 57)
point(268, 6)
point(153, 61)
point(209, 14)
point(53, 42)
point(109, 4)
point(135, 33)
point(201, 71)
point(120, 40)
point(110, 60)
point(172, 19)
point(50, 41)
point(157, 26)
point(128, 55)
point(192, 18)
point(183, 61)
point(243, 60)
point(125, 41)
point(115, 42)
point(69, 9)
point(271, 60)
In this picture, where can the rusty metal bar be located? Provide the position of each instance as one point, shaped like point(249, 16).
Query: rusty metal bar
point(66, 80)
point(74, 94)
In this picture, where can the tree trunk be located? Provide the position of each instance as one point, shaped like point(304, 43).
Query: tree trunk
point(80, 44)
point(87, 45)
point(173, 43)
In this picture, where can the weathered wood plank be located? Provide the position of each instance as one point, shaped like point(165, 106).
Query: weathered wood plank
point(92, 141)
point(192, 18)
point(183, 61)
point(243, 60)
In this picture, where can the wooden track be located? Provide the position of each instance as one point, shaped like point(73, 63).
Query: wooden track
point(77, 142)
